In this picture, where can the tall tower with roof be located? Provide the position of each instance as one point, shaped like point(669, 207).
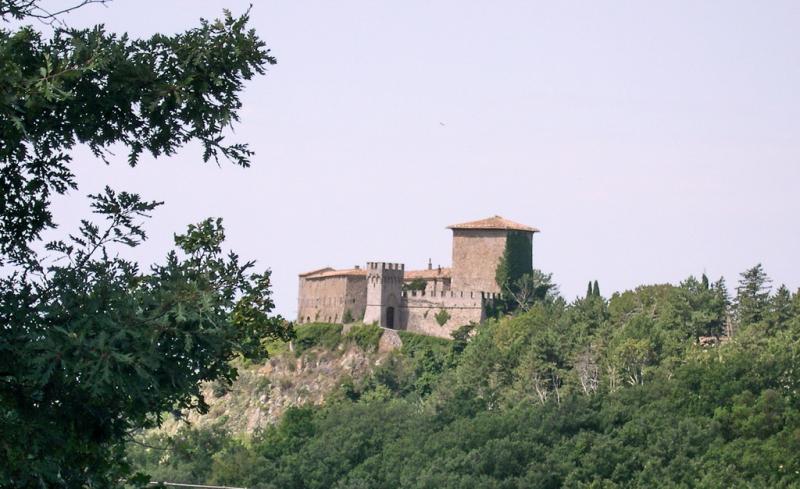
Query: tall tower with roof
point(478, 247)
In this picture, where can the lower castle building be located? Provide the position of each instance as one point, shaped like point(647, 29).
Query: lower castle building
point(433, 301)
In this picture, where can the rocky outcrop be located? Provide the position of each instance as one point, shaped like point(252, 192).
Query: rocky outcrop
point(263, 392)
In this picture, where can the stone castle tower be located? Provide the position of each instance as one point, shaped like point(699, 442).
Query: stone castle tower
point(384, 290)
point(432, 301)
point(478, 247)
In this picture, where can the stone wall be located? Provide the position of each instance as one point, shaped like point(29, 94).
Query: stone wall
point(476, 253)
point(418, 311)
point(437, 285)
point(325, 299)
point(356, 298)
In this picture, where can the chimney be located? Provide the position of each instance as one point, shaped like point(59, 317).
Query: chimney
point(430, 265)
point(358, 267)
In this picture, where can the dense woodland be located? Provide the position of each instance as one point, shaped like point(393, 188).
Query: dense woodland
point(599, 393)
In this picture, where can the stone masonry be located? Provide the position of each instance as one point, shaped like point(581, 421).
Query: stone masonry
point(451, 298)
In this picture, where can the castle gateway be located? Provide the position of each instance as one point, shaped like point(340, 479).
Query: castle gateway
point(434, 301)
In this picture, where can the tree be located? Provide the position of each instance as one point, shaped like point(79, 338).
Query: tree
point(697, 308)
point(587, 370)
point(517, 261)
point(92, 348)
point(752, 296)
point(87, 86)
point(795, 322)
point(418, 284)
point(632, 356)
point(531, 288)
point(780, 311)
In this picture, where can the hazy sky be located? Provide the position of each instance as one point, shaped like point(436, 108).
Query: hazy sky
point(647, 140)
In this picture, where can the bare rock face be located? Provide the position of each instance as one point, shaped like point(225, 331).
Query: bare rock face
point(263, 392)
point(390, 341)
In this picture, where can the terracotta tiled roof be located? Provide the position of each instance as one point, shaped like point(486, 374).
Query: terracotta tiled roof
point(495, 222)
point(330, 272)
point(427, 274)
point(318, 270)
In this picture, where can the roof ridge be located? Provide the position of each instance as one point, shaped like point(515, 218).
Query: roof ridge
point(494, 222)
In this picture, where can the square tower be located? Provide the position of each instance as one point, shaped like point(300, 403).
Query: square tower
point(384, 290)
point(478, 247)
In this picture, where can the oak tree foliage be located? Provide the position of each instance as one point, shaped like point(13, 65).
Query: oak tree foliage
point(92, 347)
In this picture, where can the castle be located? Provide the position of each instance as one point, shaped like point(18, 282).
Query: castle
point(434, 301)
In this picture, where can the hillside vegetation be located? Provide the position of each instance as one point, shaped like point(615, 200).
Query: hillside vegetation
point(320, 359)
point(596, 393)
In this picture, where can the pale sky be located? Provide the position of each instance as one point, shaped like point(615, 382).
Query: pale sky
point(647, 140)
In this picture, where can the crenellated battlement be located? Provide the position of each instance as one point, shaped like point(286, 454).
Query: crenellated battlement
point(385, 273)
point(452, 294)
point(383, 266)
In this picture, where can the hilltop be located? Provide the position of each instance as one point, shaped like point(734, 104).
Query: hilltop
point(599, 393)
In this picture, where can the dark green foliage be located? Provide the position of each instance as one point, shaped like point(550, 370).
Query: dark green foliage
point(752, 296)
point(219, 389)
point(415, 343)
point(366, 336)
point(187, 456)
point(781, 311)
point(98, 89)
point(93, 348)
point(416, 285)
point(517, 260)
point(416, 369)
point(347, 317)
point(442, 317)
point(461, 338)
point(596, 289)
point(590, 394)
point(316, 335)
point(96, 348)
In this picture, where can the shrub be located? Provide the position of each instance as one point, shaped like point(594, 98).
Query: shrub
point(442, 317)
point(220, 388)
point(347, 317)
point(414, 344)
point(366, 336)
point(263, 385)
point(317, 334)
